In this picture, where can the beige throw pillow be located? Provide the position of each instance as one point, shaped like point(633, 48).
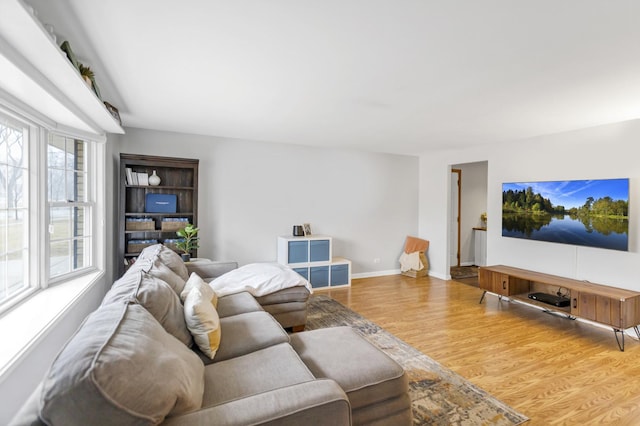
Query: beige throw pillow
point(195, 281)
point(202, 321)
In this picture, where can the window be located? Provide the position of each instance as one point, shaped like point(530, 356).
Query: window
point(14, 208)
point(39, 246)
point(69, 209)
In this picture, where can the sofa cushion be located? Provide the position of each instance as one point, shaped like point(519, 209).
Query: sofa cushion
point(235, 304)
point(338, 353)
point(155, 267)
point(261, 371)
point(121, 368)
point(287, 295)
point(245, 333)
point(195, 281)
point(168, 257)
point(202, 319)
point(156, 296)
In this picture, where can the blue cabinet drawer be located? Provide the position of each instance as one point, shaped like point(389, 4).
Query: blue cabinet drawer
point(304, 272)
point(298, 251)
point(319, 276)
point(319, 251)
point(339, 274)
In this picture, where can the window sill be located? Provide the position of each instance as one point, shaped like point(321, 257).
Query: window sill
point(24, 325)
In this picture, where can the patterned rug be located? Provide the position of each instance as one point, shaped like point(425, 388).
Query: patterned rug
point(459, 272)
point(439, 396)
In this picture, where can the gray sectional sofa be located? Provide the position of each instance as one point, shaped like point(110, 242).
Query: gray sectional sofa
point(133, 362)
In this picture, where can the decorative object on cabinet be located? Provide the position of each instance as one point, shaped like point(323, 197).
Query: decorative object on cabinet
point(66, 48)
point(179, 181)
point(312, 257)
point(307, 229)
point(160, 203)
point(615, 307)
point(154, 179)
point(87, 75)
point(113, 111)
point(298, 231)
point(188, 241)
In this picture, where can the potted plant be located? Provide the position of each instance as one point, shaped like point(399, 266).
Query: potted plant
point(189, 242)
point(87, 74)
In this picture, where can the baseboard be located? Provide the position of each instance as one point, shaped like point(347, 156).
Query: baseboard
point(376, 273)
point(395, 272)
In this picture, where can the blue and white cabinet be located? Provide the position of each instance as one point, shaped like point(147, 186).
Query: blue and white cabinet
point(312, 257)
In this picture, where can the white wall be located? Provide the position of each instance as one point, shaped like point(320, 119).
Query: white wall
point(251, 192)
point(601, 152)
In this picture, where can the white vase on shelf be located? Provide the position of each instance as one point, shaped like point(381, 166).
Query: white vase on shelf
point(154, 179)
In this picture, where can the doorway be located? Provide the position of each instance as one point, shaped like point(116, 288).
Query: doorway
point(468, 196)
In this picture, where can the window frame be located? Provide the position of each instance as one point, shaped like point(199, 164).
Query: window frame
point(38, 210)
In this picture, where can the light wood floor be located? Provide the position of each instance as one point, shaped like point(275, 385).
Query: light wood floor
point(554, 370)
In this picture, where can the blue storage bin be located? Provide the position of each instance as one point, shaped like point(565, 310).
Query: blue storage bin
point(161, 203)
point(339, 274)
point(298, 251)
point(304, 272)
point(319, 276)
point(319, 251)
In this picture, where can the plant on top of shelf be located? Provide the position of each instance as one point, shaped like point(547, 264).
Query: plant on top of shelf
point(189, 235)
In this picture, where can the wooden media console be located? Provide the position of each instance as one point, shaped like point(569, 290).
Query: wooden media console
point(611, 306)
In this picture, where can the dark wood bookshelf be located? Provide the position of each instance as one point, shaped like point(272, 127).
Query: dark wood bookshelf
point(179, 176)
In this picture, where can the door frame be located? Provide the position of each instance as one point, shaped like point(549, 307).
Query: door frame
point(458, 213)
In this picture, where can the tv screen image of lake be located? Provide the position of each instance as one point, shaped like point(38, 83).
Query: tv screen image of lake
point(592, 213)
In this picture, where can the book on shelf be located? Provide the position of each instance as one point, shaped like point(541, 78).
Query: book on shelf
point(129, 176)
point(143, 179)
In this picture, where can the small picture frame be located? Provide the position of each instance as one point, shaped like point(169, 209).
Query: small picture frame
point(307, 229)
point(114, 112)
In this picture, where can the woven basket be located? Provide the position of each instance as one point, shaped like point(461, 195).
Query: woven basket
point(136, 248)
point(173, 225)
point(148, 225)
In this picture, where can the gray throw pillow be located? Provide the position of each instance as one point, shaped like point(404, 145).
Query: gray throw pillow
point(168, 257)
point(121, 368)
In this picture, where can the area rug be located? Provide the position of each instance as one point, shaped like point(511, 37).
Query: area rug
point(460, 272)
point(439, 396)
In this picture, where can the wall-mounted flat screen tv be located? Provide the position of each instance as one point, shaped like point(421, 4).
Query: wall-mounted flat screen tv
point(592, 213)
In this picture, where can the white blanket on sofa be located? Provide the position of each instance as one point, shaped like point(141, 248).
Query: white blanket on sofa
point(259, 279)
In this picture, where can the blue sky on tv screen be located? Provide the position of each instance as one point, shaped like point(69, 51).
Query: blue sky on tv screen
point(573, 193)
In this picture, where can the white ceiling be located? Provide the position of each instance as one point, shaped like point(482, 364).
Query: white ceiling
point(394, 76)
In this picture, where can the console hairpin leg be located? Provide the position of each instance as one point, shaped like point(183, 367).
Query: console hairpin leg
point(482, 297)
point(635, 327)
point(620, 341)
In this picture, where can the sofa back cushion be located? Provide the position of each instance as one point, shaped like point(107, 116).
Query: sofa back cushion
point(121, 368)
point(168, 257)
point(156, 296)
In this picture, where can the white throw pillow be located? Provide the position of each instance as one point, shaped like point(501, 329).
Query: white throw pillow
point(195, 281)
point(259, 279)
point(202, 321)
